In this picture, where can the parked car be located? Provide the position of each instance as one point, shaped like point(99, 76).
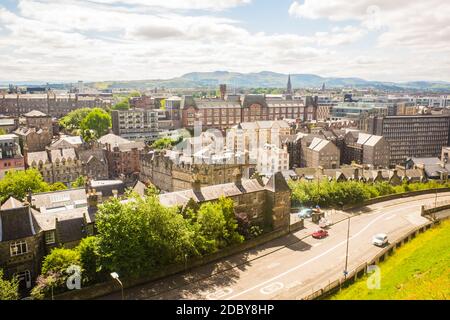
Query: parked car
point(325, 223)
point(320, 234)
point(305, 213)
point(380, 240)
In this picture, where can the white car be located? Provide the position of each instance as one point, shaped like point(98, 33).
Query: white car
point(380, 240)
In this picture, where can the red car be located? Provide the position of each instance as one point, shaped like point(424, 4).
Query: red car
point(320, 234)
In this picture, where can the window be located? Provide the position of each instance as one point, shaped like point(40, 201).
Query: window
point(50, 237)
point(18, 248)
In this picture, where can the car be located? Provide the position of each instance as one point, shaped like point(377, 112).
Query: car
point(380, 240)
point(320, 234)
point(325, 223)
point(305, 213)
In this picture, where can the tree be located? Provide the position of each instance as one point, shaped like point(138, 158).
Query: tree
point(57, 186)
point(80, 182)
point(59, 260)
point(98, 121)
point(9, 289)
point(2, 131)
point(89, 258)
point(124, 104)
point(72, 121)
point(17, 184)
point(142, 236)
point(164, 143)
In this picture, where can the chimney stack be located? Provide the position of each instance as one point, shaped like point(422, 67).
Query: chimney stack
point(92, 199)
point(237, 174)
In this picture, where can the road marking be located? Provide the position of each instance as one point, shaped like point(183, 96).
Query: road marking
point(308, 261)
point(273, 265)
point(317, 244)
point(271, 288)
point(390, 218)
point(219, 294)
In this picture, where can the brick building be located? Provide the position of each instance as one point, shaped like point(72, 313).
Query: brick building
point(11, 157)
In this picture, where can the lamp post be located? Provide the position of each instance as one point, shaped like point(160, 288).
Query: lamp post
point(115, 276)
point(346, 253)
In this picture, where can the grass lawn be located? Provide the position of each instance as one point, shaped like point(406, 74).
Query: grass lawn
point(419, 270)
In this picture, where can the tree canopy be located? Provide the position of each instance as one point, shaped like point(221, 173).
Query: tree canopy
point(9, 289)
point(97, 121)
point(17, 184)
point(72, 121)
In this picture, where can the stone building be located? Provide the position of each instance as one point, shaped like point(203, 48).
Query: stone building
point(320, 153)
point(224, 114)
point(123, 156)
point(173, 171)
point(59, 165)
point(52, 104)
point(367, 149)
point(136, 124)
point(11, 157)
point(267, 205)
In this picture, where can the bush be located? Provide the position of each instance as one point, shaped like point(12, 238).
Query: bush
point(89, 258)
point(9, 289)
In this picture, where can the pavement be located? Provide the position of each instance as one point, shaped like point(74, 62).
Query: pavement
point(295, 265)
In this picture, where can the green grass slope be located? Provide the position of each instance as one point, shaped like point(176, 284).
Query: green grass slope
point(420, 270)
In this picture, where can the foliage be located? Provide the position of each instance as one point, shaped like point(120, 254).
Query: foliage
point(123, 104)
point(45, 284)
point(59, 260)
point(80, 182)
point(419, 270)
point(72, 121)
point(57, 186)
point(142, 236)
point(216, 225)
point(3, 131)
point(17, 184)
point(9, 289)
point(335, 194)
point(164, 143)
point(89, 258)
point(98, 121)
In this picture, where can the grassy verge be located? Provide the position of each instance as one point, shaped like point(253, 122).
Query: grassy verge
point(420, 270)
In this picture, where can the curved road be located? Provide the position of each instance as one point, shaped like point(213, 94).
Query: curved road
point(291, 267)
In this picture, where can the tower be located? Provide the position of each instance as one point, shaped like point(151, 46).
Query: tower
point(289, 86)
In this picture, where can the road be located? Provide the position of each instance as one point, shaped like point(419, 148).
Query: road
point(293, 266)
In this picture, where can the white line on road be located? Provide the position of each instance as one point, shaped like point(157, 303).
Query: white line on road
point(308, 261)
point(271, 288)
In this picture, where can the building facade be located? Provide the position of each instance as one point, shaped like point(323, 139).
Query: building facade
point(420, 136)
point(11, 157)
point(136, 124)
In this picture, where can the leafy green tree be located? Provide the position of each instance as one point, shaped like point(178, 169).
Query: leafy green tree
point(72, 121)
point(89, 258)
point(17, 184)
point(98, 121)
point(57, 186)
point(164, 143)
point(142, 236)
point(80, 182)
point(123, 104)
point(9, 289)
point(59, 260)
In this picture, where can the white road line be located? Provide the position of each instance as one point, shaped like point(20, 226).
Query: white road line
point(309, 261)
point(390, 218)
point(271, 288)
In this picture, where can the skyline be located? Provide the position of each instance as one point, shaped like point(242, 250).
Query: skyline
point(107, 40)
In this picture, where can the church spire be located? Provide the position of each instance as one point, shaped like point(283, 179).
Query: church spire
point(289, 85)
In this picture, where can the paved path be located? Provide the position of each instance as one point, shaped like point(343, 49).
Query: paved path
point(295, 265)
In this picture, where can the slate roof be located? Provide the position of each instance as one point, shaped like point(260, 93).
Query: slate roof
point(11, 203)
point(36, 157)
point(210, 193)
point(17, 223)
point(70, 229)
point(106, 187)
point(35, 113)
point(62, 198)
point(113, 140)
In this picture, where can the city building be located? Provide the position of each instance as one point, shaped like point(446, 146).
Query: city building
point(362, 148)
point(122, 155)
point(136, 124)
point(11, 157)
point(421, 136)
point(320, 153)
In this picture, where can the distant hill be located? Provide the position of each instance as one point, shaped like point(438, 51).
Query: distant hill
point(267, 79)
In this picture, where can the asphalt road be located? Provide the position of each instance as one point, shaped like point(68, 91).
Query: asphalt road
point(293, 266)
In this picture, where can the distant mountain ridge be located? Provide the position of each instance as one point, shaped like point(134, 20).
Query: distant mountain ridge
point(268, 79)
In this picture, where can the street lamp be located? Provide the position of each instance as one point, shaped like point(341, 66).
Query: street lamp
point(115, 276)
point(346, 254)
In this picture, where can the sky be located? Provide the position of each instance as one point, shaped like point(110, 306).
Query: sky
point(96, 40)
